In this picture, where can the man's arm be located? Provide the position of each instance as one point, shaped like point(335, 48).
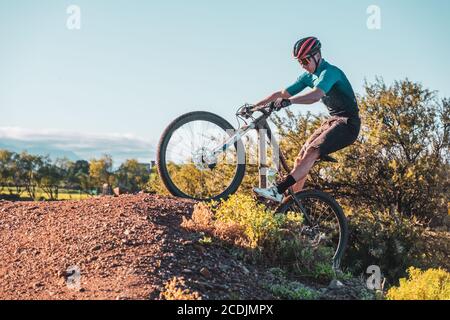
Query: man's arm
point(327, 80)
point(279, 94)
point(308, 98)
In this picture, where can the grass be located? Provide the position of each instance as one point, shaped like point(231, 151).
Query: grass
point(63, 194)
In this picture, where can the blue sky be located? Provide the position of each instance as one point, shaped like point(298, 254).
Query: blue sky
point(136, 65)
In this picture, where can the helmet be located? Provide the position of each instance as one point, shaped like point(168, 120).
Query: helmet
point(306, 47)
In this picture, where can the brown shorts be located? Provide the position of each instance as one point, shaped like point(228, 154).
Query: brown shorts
point(334, 134)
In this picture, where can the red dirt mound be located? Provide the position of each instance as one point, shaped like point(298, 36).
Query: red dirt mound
point(124, 248)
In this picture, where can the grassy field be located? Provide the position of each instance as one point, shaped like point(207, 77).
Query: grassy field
point(63, 194)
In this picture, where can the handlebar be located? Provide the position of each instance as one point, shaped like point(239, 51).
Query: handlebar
point(247, 110)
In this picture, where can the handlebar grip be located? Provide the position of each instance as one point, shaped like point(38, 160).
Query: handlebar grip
point(271, 105)
point(285, 104)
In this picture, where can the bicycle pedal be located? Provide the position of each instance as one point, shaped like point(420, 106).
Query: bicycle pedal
point(259, 198)
point(270, 204)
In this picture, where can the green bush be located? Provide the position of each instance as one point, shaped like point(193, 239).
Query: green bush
point(293, 291)
point(261, 225)
point(284, 289)
point(433, 284)
point(276, 238)
point(266, 237)
point(384, 239)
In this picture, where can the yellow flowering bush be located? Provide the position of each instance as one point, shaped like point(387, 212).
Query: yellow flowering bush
point(259, 223)
point(432, 284)
point(175, 289)
point(264, 234)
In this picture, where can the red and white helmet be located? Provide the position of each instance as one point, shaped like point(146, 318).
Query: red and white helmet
point(306, 47)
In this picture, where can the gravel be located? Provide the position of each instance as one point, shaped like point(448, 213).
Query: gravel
point(124, 247)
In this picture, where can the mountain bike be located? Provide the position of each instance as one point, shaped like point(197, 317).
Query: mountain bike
point(202, 157)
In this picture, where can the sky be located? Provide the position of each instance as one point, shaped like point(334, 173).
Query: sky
point(135, 65)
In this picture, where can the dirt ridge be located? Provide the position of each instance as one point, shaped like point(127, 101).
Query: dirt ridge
point(124, 247)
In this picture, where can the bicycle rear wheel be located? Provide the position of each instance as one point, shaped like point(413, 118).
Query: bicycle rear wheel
point(184, 162)
point(324, 219)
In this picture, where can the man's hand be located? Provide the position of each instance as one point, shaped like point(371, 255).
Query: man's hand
point(282, 103)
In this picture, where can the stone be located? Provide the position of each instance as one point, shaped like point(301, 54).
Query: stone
point(116, 192)
point(205, 272)
point(200, 249)
point(336, 284)
point(38, 285)
point(246, 271)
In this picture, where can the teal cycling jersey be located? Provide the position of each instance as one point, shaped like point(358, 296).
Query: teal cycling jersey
point(339, 95)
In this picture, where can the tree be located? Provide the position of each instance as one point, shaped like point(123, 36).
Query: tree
point(6, 173)
point(132, 176)
point(76, 173)
point(51, 176)
point(100, 171)
point(27, 172)
point(80, 175)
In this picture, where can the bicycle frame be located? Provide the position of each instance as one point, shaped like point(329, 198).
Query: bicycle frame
point(209, 158)
point(262, 127)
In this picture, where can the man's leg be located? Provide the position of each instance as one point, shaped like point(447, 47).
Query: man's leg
point(331, 138)
point(297, 175)
point(302, 168)
point(298, 186)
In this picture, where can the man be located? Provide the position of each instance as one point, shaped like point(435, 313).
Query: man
point(331, 85)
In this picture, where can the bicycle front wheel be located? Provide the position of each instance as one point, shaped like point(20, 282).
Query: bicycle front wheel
point(325, 224)
point(184, 158)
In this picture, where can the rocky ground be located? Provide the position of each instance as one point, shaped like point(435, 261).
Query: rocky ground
point(125, 247)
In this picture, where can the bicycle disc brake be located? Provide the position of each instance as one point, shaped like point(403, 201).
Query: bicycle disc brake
point(203, 159)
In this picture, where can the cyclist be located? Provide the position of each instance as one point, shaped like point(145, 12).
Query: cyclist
point(331, 85)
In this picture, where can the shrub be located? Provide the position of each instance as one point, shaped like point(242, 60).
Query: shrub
point(265, 236)
point(384, 239)
point(260, 225)
point(433, 284)
point(282, 288)
point(175, 289)
point(293, 291)
point(203, 221)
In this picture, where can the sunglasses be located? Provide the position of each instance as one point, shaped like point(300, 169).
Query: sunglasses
point(304, 61)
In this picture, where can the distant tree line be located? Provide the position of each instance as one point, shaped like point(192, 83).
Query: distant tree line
point(24, 172)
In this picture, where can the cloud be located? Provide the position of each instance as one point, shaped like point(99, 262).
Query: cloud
point(77, 144)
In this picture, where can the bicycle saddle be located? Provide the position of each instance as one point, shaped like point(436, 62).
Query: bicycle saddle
point(328, 159)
